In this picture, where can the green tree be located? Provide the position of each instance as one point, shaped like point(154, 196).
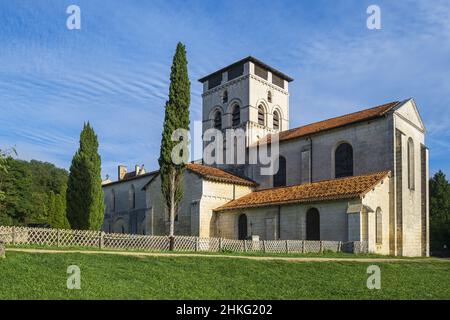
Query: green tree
point(17, 185)
point(57, 217)
point(27, 187)
point(439, 211)
point(85, 206)
point(4, 155)
point(176, 117)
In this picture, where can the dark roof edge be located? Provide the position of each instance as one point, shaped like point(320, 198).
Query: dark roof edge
point(249, 183)
point(254, 60)
point(147, 174)
point(377, 116)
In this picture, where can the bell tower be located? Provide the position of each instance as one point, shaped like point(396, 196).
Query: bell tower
point(247, 94)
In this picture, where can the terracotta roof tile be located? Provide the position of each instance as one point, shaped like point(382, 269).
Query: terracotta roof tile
point(219, 175)
point(340, 121)
point(213, 174)
point(343, 188)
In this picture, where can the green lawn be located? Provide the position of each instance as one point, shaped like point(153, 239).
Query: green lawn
point(325, 254)
point(43, 276)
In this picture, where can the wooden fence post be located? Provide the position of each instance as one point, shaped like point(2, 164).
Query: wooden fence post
point(245, 245)
point(321, 246)
point(287, 246)
point(171, 243)
point(100, 240)
point(264, 246)
point(340, 246)
point(303, 246)
point(13, 234)
point(196, 243)
point(58, 236)
point(220, 244)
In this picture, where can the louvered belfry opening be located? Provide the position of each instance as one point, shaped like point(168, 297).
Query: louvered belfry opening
point(261, 120)
point(276, 120)
point(236, 116)
point(218, 120)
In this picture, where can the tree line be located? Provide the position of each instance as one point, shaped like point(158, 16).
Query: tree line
point(39, 193)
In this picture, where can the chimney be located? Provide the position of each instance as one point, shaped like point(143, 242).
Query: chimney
point(136, 169)
point(142, 170)
point(122, 170)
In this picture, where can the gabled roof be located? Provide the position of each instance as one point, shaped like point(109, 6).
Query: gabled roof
point(219, 175)
point(343, 188)
point(214, 174)
point(351, 118)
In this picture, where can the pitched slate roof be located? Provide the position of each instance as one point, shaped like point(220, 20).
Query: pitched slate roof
point(343, 188)
point(363, 115)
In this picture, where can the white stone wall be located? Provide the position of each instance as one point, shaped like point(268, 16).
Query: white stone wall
point(372, 144)
point(407, 121)
point(248, 91)
point(379, 197)
point(188, 208)
point(216, 194)
point(119, 215)
point(337, 223)
point(292, 219)
point(196, 208)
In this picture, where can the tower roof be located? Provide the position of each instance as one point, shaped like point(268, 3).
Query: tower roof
point(251, 59)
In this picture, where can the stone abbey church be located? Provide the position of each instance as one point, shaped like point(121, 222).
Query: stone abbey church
point(357, 177)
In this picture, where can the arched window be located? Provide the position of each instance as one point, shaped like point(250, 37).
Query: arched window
point(225, 97)
point(236, 115)
point(113, 201)
point(279, 180)
point(132, 197)
point(379, 226)
point(242, 227)
point(411, 175)
point(261, 117)
point(269, 97)
point(312, 224)
point(343, 161)
point(218, 120)
point(276, 120)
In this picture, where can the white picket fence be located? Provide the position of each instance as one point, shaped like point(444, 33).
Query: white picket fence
point(102, 240)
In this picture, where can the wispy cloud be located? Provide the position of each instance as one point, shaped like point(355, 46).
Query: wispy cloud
point(114, 71)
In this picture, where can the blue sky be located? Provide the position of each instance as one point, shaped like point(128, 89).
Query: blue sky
point(114, 71)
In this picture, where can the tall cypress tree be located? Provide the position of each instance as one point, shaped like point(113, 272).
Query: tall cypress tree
point(176, 117)
point(57, 216)
point(85, 206)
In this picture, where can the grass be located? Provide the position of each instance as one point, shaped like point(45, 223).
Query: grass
point(325, 254)
point(43, 276)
